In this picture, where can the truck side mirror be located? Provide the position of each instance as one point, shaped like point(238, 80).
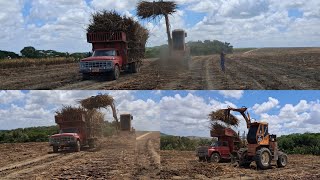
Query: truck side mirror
point(186, 34)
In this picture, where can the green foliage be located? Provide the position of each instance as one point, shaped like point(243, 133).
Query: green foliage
point(34, 134)
point(181, 143)
point(155, 52)
point(29, 52)
point(208, 47)
point(308, 143)
point(197, 48)
point(109, 129)
point(5, 54)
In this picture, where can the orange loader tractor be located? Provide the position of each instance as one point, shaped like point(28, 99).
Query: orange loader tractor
point(262, 147)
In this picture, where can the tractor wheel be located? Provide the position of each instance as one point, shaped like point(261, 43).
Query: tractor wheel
point(243, 158)
point(215, 157)
point(77, 147)
point(263, 158)
point(55, 149)
point(116, 73)
point(282, 159)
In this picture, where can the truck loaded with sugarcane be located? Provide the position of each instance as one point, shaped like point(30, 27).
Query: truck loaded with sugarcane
point(261, 147)
point(118, 44)
point(84, 125)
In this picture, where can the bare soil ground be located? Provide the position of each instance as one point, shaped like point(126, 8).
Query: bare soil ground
point(272, 68)
point(120, 157)
point(185, 165)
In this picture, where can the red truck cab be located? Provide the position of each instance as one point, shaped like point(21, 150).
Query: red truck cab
point(70, 137)
point(110, 56)
point(225, 148)
point(75, 133)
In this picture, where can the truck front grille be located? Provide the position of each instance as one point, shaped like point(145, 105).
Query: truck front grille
point(96, 64)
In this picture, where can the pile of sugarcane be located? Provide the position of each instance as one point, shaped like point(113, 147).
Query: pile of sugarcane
point(98, 102)
point(220, 120)
point(92, 117)
point(111, 21)
point(154, 9)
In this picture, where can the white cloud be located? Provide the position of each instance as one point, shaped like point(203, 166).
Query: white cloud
point(10, 96)
point(237, 94)
point(266, 106)
point(37, 108)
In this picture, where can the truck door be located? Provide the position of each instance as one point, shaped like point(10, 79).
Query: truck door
point(225, 149)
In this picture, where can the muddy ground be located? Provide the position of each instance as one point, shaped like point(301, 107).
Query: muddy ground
point(273, 68)
point(185, 165)
point(126, 156)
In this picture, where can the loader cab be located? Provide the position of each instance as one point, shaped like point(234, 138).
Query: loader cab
point(258, 132)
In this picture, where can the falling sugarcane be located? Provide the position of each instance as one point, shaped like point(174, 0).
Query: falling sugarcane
point(152, 10)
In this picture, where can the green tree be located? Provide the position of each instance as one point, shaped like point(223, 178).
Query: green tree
point(29, 52)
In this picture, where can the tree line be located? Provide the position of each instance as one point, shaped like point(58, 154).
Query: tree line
point(197, 48)
point(41, 134)
point(182, 143)
point(32, 53)
point(308, 143)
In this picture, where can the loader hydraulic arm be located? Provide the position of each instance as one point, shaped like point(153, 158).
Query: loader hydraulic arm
point(114, 112)
point(242, 111)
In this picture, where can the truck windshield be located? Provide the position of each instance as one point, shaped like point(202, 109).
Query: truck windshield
point(70, 130)
point(104, 53)
point(216, 144)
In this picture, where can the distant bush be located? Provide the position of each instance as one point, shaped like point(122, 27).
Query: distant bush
point(308, 143)
point(181, 143)
point(34, 134)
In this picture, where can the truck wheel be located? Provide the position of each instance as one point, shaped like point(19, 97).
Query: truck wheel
point(135, 67)
point(116, 73)
point(78, 146)
point(263, 158)
point(55, 149)
point(85, 77)
point(282, 160)
point(215, 157)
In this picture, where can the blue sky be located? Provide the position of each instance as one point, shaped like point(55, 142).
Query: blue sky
point(60, 25)
point(183, 113)
point(20, 109)
point(286, 111)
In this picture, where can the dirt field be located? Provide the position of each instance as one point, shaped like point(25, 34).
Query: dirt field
point(291, 68)
point(184, 165)
point(121, 157)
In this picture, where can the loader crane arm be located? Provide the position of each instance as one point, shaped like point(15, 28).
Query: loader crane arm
point(242, 111)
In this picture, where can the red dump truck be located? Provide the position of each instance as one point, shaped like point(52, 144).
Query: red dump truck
point(225, 148)
point(75, 132)
point(111, 55)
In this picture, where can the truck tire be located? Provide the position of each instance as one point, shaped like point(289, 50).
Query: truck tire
point(91, 144)
point(202, 159)
point(77, 147)
point(135, 67)
point(55, 149)
point(85, 76)
point(282, 159)
point(116, 73)
point(263, 158)
point(215, 157)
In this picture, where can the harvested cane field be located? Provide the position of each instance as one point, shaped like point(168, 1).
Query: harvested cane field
point(184, 165)
point(271, 68)
point(125, 156)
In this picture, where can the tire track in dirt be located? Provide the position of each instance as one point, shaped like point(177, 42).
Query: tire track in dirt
point(147, 159)
point(42, 163)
